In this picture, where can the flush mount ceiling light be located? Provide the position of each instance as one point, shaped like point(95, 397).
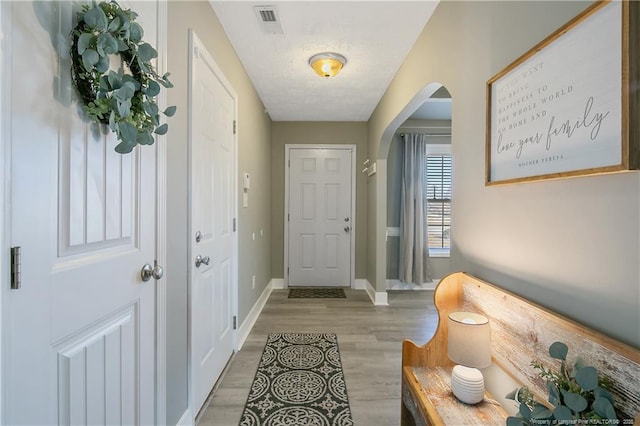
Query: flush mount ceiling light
point(327, 64)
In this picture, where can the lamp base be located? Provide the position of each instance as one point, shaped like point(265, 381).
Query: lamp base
point(467, 384)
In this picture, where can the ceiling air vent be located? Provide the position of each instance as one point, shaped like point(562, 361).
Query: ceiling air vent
point(268, 19)
point(268, 15)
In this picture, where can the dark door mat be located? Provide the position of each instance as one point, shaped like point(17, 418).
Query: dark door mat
point(317, 293)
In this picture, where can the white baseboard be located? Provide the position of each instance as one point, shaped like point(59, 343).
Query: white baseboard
point(378, 298)
point(399, 285)
point(360, 284)
point(277, 283)
point(186, 419)
point(254, 313)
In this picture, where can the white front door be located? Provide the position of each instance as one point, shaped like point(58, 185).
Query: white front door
point(79, 334)
point(212, 236)
point(320, 216)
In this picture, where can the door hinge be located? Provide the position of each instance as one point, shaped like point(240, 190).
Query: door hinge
point(288, 217)
point(287, 271)
point(234, 127)
point(234, 224)
point(16, 279)
point(235, 322)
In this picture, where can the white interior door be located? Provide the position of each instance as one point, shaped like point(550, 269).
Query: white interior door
point(320, 216)
point(79, 334)
point(213, 274)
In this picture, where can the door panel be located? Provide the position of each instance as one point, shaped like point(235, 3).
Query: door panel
point(95, 373)
point(212, 206)
point(320, 218)
point(79, 336)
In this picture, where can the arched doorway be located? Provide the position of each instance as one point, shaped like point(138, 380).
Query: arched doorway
point(429, 113)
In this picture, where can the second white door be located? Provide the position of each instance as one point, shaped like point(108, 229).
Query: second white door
point(212, 238)
point(319, 216)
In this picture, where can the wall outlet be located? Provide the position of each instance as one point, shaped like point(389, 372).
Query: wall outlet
point(253, 282)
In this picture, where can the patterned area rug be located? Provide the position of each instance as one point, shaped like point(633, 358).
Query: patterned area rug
point(316, 292)
point(299, 382)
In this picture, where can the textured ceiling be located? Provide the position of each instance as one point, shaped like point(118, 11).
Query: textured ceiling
point(374, 36)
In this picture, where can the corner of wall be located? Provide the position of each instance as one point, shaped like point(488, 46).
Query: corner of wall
point(378, 298)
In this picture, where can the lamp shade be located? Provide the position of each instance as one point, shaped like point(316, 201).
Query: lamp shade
point(327, 64)
point(469, 340)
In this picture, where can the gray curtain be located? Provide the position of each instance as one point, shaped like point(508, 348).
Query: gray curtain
point(414, 251)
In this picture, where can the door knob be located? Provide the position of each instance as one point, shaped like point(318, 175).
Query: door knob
point(202, 260)
point(198, 236)
point(149, 272)
point(347, 229)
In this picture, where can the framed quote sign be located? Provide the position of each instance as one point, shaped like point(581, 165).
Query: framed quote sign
point(569, 106)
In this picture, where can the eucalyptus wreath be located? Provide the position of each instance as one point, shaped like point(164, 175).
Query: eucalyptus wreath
point(122, 100)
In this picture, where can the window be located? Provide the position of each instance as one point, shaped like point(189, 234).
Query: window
point(438, 186)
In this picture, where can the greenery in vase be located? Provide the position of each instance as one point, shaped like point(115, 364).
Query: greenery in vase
point(575, 393)
point(125, 101)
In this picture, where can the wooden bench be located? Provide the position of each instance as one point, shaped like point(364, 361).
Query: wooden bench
point(521, 331)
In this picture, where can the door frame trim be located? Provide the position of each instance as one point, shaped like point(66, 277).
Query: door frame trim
point(161, 227)
point(5, 181)
point(196, 42)
point(352, 239)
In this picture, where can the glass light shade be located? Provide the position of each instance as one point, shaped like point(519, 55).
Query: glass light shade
point(469, 340)
point(327, 64)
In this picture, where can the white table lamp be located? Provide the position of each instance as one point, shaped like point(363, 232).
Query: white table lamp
point(469, 345)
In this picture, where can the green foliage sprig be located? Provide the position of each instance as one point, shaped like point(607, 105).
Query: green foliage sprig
point(125, 102)
point(575, 393)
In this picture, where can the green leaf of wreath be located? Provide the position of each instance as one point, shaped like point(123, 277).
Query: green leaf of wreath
point(96, 18)
point(124, 108)
point(89, 58)
point(124, 147)
point(103, 64)
point(161, 130)
point(150, 108)
point(164, 80)
point(125, 92)
point(114, 25)
point(129, 79)
point(84, 41)
point(128, 133)
point(104, 84)
point(146, 52)
point(107, 43)
point(122, 46)
point(170, 111)
point(153, 89)
point(145, 138)
point(135, 32)
point(114, 80)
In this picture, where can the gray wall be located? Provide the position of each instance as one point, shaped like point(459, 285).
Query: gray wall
point(254, 144)
point(438, 266)
point(572, 245)
point(317, 133)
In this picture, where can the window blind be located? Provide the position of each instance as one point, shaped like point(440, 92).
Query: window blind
point(438, 197)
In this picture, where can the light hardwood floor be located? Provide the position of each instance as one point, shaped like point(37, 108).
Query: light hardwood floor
point(369, 338)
